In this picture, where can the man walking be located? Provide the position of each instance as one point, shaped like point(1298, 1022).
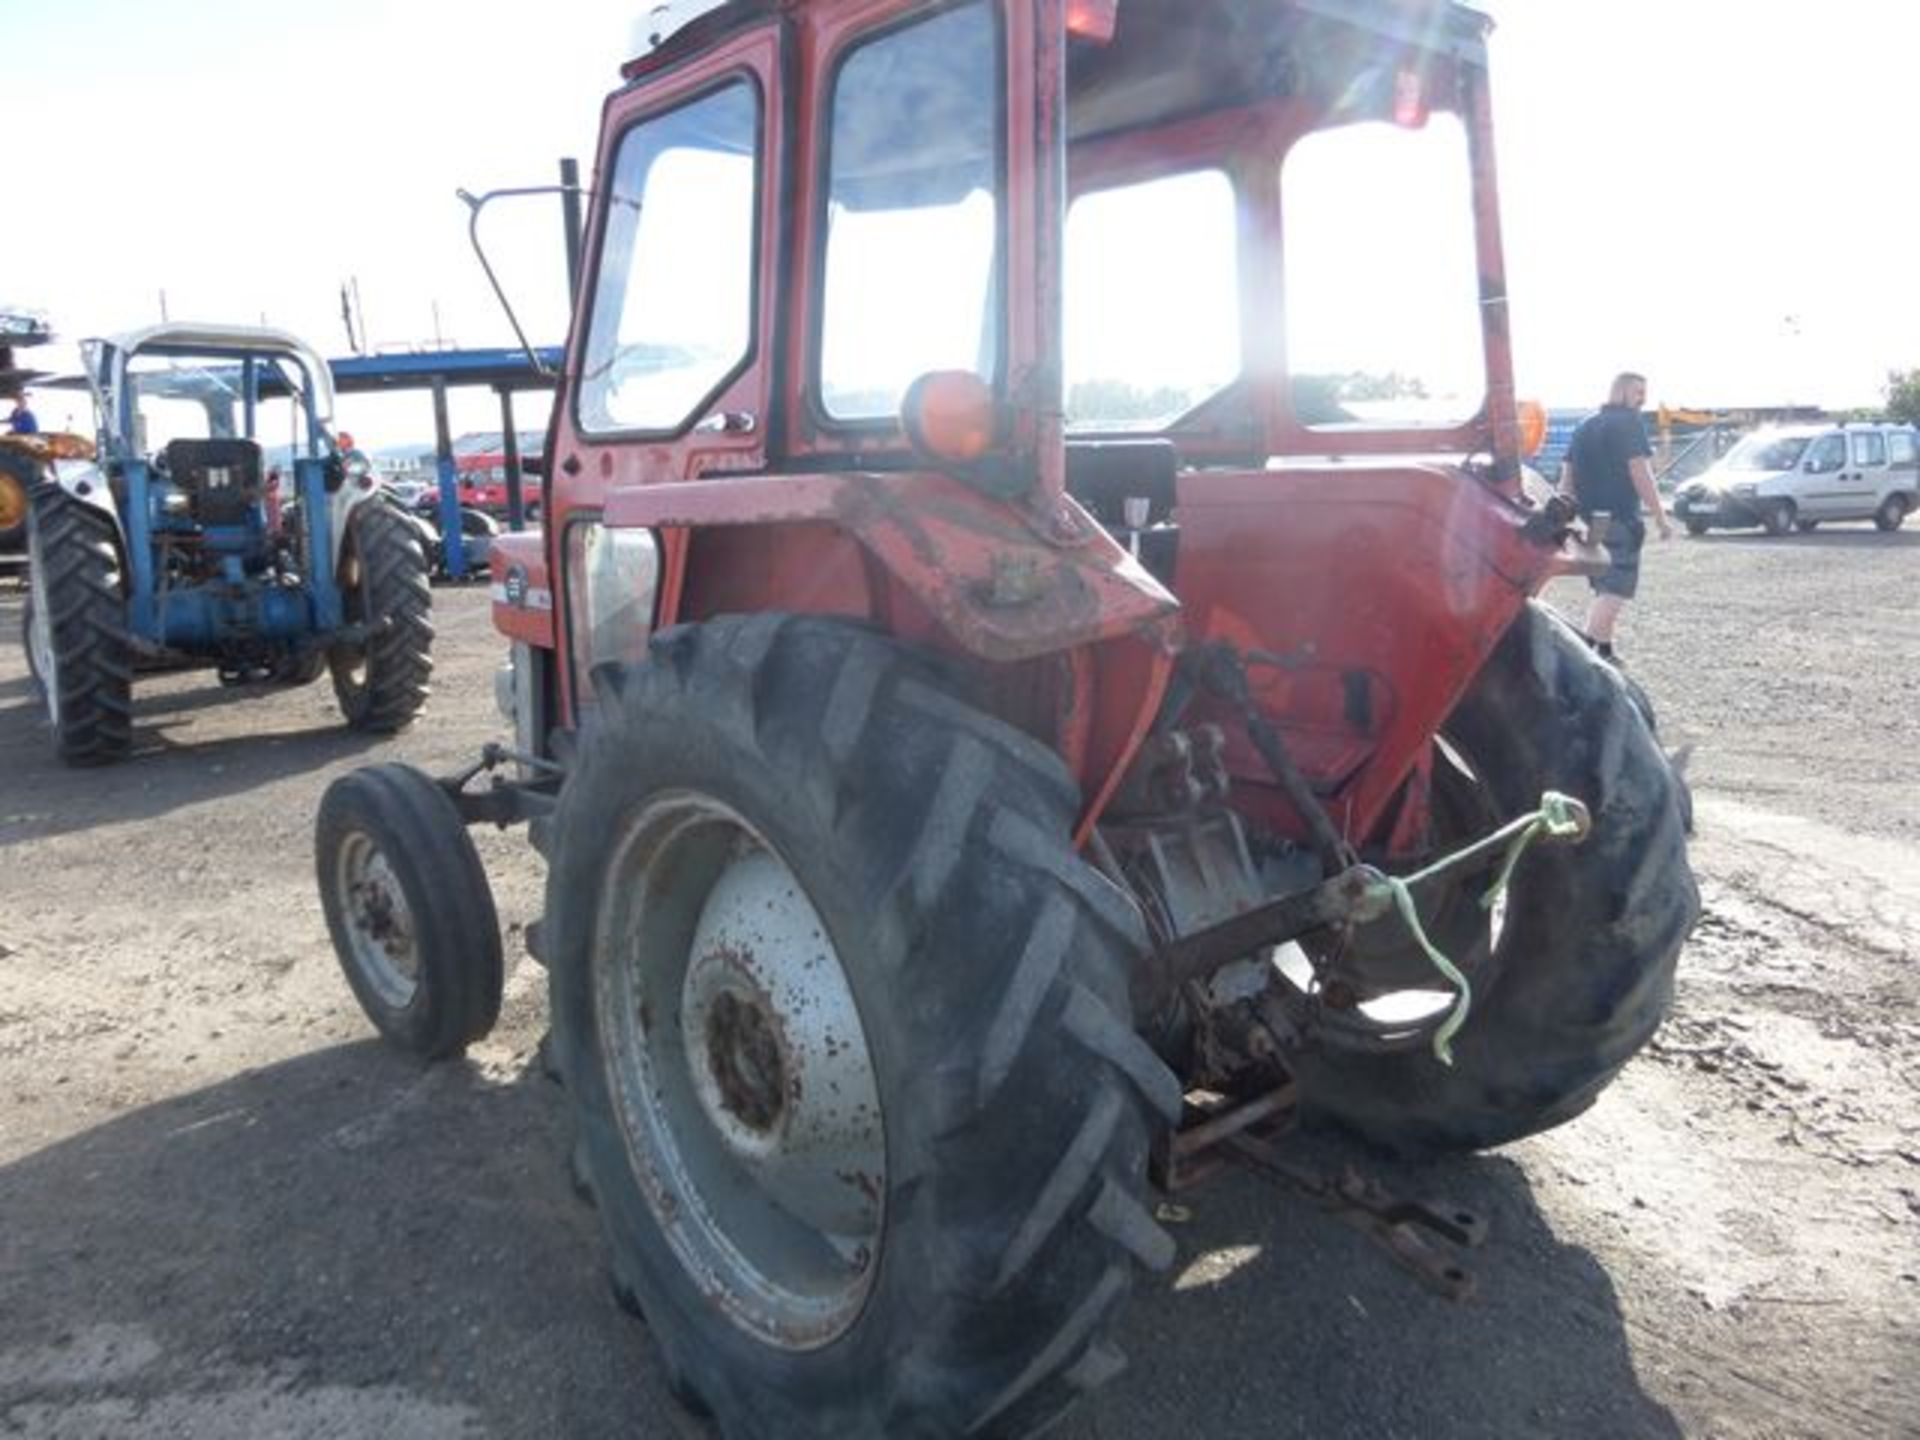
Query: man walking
point(1607, 472)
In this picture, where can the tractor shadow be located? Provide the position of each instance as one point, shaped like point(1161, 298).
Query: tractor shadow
point(362, 1223)
point(190, 746)
point(346, 1221)
point(41, 797)
point(1279, 1320)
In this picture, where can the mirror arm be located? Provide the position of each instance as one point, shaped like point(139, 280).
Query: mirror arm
point(474, 204)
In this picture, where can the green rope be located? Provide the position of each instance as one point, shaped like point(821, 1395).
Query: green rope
point(1557, 817)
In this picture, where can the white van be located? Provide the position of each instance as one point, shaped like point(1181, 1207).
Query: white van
point(1794, 477)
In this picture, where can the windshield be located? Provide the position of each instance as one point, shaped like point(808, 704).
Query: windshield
point(1766, 452)
point(194, 398)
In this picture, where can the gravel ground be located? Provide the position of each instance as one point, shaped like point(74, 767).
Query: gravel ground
point(226, 1212)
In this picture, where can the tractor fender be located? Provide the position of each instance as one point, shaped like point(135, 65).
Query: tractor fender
point(87, 483)
point(340, 507)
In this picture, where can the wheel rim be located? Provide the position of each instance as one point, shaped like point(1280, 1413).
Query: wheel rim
point(13, 502)
point(740, 1072)
point(350, 661)
point(380, 928)
point(40, 653)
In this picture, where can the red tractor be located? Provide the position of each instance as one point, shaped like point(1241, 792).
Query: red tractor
point(1030, 677)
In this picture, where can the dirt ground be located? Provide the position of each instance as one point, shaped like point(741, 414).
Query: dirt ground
point(226, 1212)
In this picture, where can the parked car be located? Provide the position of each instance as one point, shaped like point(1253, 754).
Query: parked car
point(1795, 477)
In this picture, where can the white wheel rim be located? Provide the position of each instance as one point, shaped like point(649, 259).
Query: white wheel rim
point(380, 929)
point(40, 635)
point(740, 1072)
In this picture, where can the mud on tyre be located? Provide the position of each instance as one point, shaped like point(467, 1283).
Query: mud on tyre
point(843, 1024)
point(1580, 974)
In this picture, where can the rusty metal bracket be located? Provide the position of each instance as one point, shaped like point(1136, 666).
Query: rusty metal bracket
point(1405, 1229)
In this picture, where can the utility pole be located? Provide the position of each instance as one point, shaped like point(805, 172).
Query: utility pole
point(346, 318)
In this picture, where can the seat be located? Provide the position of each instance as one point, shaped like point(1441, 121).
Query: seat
point(221, 478)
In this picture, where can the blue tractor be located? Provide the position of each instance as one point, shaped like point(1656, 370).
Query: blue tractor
point(222, 525)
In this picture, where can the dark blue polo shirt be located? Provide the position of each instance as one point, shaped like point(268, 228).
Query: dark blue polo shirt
point(1600, 452)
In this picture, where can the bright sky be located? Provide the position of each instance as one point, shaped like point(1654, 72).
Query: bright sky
point(1707, 190)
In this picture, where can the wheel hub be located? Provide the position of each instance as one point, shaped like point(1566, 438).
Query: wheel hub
point(744, 1061)
point(379, 922)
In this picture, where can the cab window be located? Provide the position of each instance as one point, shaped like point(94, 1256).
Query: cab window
point(913, 213)
point(1827, 454)
point(1869, 448)
point(1382, 282)
point(1152, 308)
point(673, 301)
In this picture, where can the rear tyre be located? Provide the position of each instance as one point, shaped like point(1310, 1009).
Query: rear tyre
point(76, 640)
point(1778, 518)
point(1581, 970)
point(845, 1033)
point(1892, 513)
point(409, 909)
point(381, 682)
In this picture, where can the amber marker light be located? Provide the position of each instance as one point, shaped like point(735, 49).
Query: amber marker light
point(1533, 426)
point(1093, 20)
point(951, 416)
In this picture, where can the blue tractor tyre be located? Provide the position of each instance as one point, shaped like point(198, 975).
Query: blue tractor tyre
point(76, 633)
point(380, 678)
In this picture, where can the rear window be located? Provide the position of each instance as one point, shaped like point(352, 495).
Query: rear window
point(1902, 449)
point(1869, 448)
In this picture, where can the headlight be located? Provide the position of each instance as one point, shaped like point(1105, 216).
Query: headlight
point(611, 580)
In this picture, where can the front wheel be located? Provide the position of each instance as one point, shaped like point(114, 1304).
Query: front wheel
point(1697, 528)
point(380, 678)
point(1779, 517)
point(1892, 513)
point(409, 909)
point(1806, 527)
point(1574, 971)
point(844, 1027)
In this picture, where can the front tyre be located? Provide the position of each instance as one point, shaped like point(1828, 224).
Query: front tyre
point(1580, 973)
point(409, 910)
point(1779, 517)
point(381, 678)
point(843, 1023)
